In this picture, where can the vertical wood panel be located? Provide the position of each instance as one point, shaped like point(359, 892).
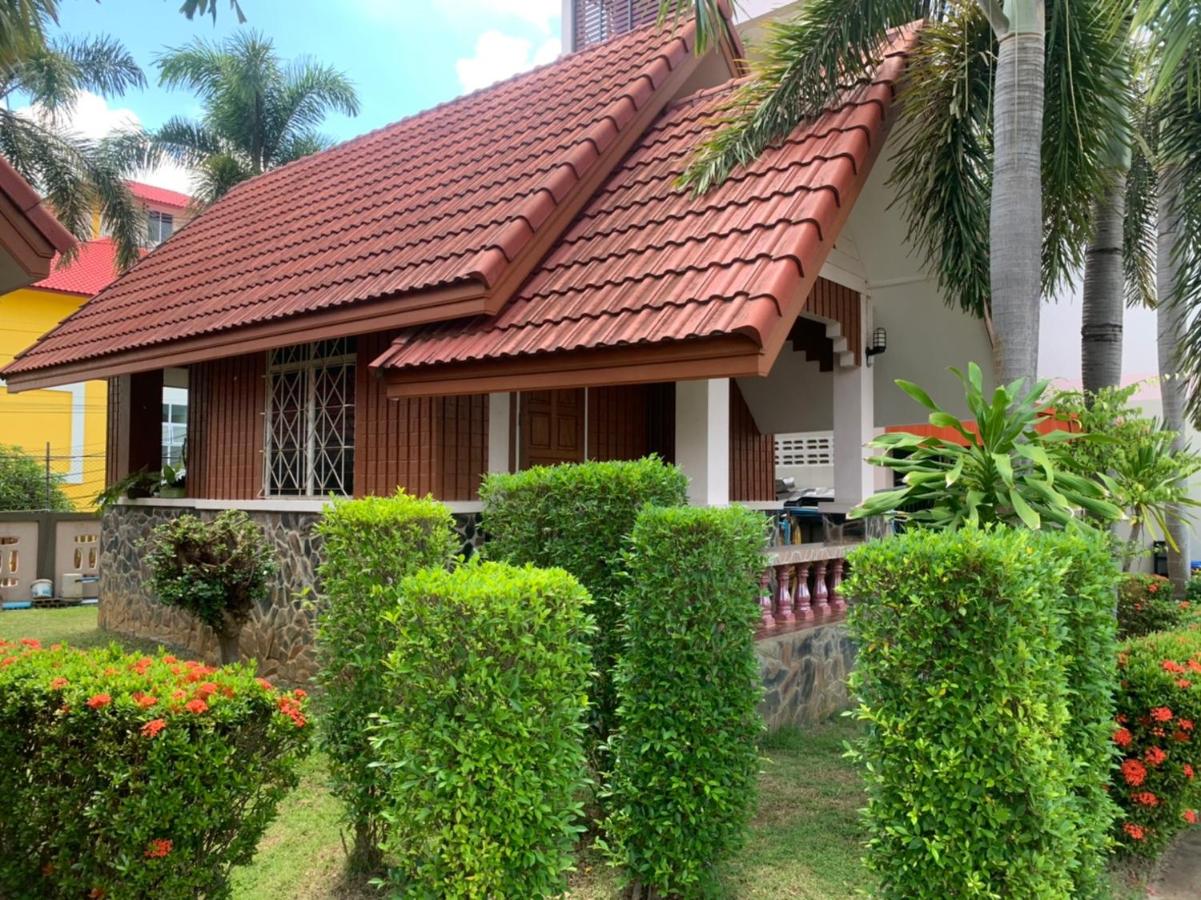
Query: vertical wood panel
point(226, 399)
point(752, 454)
point(832, 301)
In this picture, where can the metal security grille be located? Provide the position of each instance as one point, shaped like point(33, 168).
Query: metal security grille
point(309, 444)
point(805, 448)
point(598, 20)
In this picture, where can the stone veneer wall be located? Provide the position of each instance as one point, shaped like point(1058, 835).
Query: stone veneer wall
point(805, 675)
point(279, 634)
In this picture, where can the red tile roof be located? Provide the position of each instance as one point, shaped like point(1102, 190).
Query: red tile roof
point(159, 196)
point(647, 263)
point(93, 269)
point(462, 198)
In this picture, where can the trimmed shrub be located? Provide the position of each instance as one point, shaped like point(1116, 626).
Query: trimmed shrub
point(136, 777)
point(1159, 710)
point(978, 773)
point(483, 746)
point(1146, 604)
point(217, 571)
point(579, 517)
point(369, 545)
point(684, 755)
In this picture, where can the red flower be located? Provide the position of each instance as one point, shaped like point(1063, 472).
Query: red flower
point(178, 696)
point(1145, 798)
point(1161, 714)
point(264, 684)
point(1190, 816)
point(169, 659)
point(1153, 587)
point(1195, 665)
point(1134, 772)
point(1154, 756)
point(206, 690)
point(1183, 683)
point(1180, 737)
point(196, 706)
point(291, 708)
point(1122, 737)
point(1121, 718)
point(1135, 831)
point(145, 701)
point(153, 727)
point(1170, 665)
point(1188, 771)
point(158, 848)
point(57, 684)
point(300, 693)
point(96, 893)
point(1186, 724)
point(96, 701)
point(31, 643)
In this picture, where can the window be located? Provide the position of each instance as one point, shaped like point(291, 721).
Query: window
point(160, 225)
point(175, 425)
point(309, 445)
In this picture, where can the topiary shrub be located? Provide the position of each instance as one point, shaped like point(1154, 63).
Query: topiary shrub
point(369, 546)
point(1159, 709)
point(684, 756)
point(977, 783)
point(1146, 604)
point(578, 517)
point(483, 744)
point(136, 777)
point(217, 571)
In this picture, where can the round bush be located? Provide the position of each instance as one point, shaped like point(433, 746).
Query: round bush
point(1145, 604)
point(1159, 711)
point(136, 777)
point(483, 744)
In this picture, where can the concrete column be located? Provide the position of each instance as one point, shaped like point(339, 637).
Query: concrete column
point(854, 407)
point(703, 439)
point(499, 406)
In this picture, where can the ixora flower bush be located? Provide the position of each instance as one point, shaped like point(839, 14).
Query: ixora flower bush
point(482, 744)
point(1145, 604)
point(981, 676)
point(370, 544)
point(684, 755)
point(136, 777)
point(1156, 733)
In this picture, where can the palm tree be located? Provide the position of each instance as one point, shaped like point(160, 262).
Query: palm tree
point(1006, 106)
point(74, 173)
point(259, 113)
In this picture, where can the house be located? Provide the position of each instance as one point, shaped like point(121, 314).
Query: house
point(511, 279)
point(67, 421)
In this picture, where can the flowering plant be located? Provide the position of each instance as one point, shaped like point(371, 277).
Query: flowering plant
point(134, 768)
point(1145, 604)
point(1159, 711)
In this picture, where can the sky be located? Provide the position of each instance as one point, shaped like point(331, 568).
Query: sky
point(402, 55)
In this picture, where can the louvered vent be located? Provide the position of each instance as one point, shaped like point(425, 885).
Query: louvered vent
point(598, 20)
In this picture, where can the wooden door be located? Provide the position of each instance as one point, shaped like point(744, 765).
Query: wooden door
point(552, 428)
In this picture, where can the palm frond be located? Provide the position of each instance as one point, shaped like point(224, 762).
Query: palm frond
point(217, 175)
point(191, 8)
point(308, 92)
point(300, 145)
point(101, 64)
point(23, 28)
point(1177, 28)
point(185, 141)
point(706, 14)
point(197, 66)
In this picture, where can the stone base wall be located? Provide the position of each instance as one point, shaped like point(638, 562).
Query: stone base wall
point(279, 634)
point(805, 675)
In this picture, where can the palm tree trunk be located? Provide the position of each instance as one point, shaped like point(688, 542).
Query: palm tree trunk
point(1104, 292)
point(1015, 218)
point(1170, 323)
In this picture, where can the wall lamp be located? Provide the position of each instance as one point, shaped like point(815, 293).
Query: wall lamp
point(878, 345)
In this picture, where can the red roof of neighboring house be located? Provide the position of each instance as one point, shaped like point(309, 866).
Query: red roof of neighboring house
point(649, 264)
point(93, 269)
point(439, 215)
point(158, 196)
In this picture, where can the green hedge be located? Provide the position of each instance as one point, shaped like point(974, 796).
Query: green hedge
point(983, 759)
point(136, 777)
point(1159, 711)
point(483, 745)
point(578, 517)
point(684, 757)
point(369, 545)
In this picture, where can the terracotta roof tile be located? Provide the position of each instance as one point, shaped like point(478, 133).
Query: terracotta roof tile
point(93, 269)
point(647, 263)
point(159, 196)
point(454, 196)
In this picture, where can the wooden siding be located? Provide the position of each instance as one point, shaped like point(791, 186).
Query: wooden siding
point(435, 445)
point(838, 304)
point(133, 437)
point(752, 454)
point(226, 403)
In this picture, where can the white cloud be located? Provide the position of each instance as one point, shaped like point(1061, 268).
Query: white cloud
point(91, 117)
point(499, 55)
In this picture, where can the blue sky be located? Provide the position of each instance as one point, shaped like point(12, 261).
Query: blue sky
point(403, 55)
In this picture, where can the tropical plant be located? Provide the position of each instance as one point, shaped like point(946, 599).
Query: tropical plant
point(76, 174)
point(25, 484)
point(259, 112)
point(1000, 467)
point(976, 156)
point(217, 571)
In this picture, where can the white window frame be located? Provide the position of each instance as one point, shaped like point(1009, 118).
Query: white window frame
point(310, 363)
point(156, 217)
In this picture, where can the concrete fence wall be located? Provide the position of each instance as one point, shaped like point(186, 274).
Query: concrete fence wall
point(50, 545)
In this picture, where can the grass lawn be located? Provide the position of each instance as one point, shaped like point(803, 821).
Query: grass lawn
point(804, 841)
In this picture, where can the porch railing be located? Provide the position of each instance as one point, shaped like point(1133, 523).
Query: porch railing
point(801, 587)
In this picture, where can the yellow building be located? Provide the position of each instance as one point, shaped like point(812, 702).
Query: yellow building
point(68, 423)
